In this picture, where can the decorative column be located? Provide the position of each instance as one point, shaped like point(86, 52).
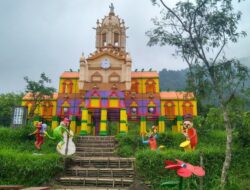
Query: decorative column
point(162, 124)
point(103, 123)
point(123, 121)
point(55, 122)
point(143, 125)
point(84, 121)
point(179, 124)
point(73, 124)
point(89, 126)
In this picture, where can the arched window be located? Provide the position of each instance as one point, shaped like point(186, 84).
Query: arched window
point(135, 86)
point(104, 39)
point(65, 109)
point(150, 86)
point(133, 108)
point(116, 39)
point(96, 77)
point(114, 77)
point(169, 109)
point(47, 109)
point(63, 87)
point(67, 86)
point(187, 108)
point(151, 107)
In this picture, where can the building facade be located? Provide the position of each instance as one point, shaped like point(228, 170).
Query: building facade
point(105, 90)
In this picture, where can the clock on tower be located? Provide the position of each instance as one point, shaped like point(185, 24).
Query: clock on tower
point(105, 64)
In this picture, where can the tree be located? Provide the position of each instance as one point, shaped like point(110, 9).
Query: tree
point(38, 92)
point(7, 102)
point(199, 31)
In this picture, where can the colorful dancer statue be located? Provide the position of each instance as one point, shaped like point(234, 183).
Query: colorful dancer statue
point(152, 138)
point(40, 133)
point(191, 136)
point(65, 146)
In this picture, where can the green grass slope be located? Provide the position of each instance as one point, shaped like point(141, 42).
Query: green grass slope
point(21, 163)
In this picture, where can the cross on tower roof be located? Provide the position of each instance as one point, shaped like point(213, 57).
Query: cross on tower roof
point(111, 9)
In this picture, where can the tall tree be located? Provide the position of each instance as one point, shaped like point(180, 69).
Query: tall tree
point(200, 30)
point(38, 91)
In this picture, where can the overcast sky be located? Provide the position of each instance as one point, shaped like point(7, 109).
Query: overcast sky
point(50, 35)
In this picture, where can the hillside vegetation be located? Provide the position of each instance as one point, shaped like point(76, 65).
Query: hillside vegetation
point(171, 80)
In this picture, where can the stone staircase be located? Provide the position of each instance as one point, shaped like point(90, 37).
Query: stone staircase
point(95, 165)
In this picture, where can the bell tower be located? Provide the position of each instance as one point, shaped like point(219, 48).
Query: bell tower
point(110, 65)
point(111, 32)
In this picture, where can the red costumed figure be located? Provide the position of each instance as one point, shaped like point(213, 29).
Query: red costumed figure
point(39, 135)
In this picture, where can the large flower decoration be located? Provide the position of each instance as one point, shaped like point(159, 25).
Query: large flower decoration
point(184, 169)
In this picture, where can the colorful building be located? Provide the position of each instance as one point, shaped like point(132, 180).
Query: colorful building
point(105, 90)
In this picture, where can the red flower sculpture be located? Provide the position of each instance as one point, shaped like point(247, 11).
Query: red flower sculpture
point(184, 169)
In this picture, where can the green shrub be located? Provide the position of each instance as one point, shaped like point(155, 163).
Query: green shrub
point(21, 163)
point(128, 144)
point(125, 151)
point(239, 174)
point(244, 131)
point(28, 169)
point(150, 166)
point(170, 140)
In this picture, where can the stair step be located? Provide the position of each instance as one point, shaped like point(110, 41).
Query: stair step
point(95, 166)
point(91, 154)
point(95, 181)
point(95, 149)
point(97, 138)
point(94, 144)
point(100, 172)
point(88, 188)
point(99, 141)
point(102, 162)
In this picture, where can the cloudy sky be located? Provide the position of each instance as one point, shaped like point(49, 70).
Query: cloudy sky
point(50, 35)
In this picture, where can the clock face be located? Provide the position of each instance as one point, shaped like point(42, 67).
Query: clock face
point(105, 64)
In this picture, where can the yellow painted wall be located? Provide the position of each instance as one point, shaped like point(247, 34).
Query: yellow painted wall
point(95, 102)
point(194, 107)
point(178, 107)
point(142, 85)
point(114, 103)
point(39, 109)
point(75, 88)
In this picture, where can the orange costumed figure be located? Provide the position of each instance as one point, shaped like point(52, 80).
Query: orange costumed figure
point(152, 139)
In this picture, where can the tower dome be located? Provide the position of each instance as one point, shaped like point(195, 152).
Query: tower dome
point(111, 32)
